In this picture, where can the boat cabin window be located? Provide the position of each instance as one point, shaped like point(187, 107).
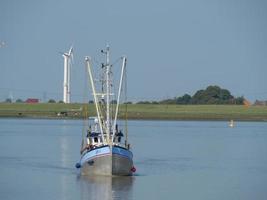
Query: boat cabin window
point(96, 139)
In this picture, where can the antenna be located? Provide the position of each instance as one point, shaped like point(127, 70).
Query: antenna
point(108, 90)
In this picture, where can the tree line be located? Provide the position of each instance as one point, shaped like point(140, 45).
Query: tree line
point(210, 95)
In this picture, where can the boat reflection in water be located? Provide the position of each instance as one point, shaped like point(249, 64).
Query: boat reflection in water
point(106, 187)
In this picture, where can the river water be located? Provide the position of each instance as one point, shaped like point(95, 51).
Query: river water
point(174, 160)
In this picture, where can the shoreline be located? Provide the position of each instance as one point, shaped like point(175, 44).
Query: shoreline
point(138, 119)
point(137, 112)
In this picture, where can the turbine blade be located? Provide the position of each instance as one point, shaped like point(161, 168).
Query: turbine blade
point(71, 50)
point(71, 55)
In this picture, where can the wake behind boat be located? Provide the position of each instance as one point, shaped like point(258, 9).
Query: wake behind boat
point(104, 151)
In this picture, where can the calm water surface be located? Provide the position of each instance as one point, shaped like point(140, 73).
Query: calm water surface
point(174, 160)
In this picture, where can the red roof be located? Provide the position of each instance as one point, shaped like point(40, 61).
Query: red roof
point(31, 100)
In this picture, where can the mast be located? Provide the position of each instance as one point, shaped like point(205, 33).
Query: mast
point(108, 89)
point(108, 93)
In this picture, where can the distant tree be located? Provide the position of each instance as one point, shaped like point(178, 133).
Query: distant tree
point(19, 101)
point(225, 95)
point(168, 101)
point(186, 99)
point(91, 102)
point(60, 101)
point(143, 102)
point(128, 102)
point(212, 91)
point(260, 103)
point(213, 100)
point(212, 95)
point(198, 97)
point(239, 100)
point(51, 101)
point(8, 100)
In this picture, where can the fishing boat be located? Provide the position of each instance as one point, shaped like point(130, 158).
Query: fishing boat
point(104, 149)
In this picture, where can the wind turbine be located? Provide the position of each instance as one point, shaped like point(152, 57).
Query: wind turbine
point(68, 57)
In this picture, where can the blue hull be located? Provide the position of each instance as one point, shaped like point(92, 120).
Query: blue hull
point(103, 161)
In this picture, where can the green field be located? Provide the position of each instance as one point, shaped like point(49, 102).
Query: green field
point(138, 111)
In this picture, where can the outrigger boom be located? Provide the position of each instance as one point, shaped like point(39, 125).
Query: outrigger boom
point(87, 59)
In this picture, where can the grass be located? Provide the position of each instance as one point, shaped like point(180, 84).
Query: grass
point(139, 111)
point(199, 112)
point(40, 110)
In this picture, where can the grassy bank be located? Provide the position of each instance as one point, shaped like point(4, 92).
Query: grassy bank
point(139, 111)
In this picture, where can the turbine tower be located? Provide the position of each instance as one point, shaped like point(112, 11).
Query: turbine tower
point(68, 57)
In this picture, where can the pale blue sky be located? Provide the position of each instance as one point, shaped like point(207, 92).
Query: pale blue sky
point(173, 46)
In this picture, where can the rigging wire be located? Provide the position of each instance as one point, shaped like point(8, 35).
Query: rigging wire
point(114, 89)
point(116, 61)
point(126, 107)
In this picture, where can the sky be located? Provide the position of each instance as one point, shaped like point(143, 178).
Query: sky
point(173, 46)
